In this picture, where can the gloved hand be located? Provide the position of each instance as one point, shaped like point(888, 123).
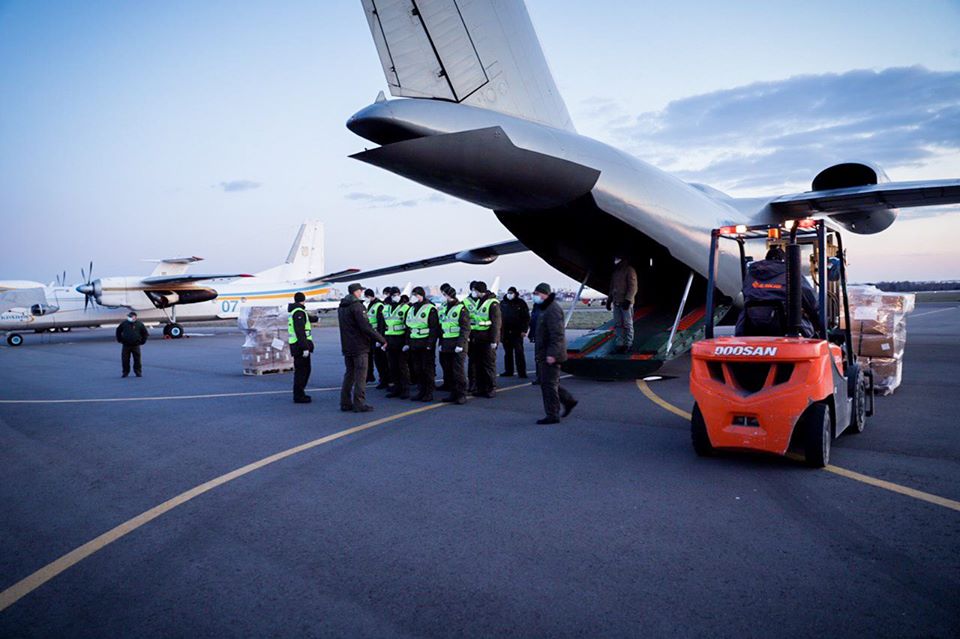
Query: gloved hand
point(306, 354)
point(383, 347)
point(458, 349)
point(493, 346)
point(406, 347)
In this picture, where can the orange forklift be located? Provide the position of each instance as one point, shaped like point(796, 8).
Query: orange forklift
point(784, 393)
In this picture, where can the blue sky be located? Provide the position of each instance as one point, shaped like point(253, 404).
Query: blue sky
point(136, 130)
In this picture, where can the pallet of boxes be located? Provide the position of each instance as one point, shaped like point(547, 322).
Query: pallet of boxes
point(879, 327)
point(266, 349)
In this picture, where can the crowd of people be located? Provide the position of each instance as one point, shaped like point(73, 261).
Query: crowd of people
point(397, 340)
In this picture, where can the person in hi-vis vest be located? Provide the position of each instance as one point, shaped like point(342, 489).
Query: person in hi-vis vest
point(455, 334)
point(301, 345)
point(376, 311)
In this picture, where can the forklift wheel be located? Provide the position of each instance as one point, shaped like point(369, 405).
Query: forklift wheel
point(698, 434)
point(858, 416)
point(817, 433)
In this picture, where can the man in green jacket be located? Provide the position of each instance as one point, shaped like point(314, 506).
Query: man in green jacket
point(132, 334)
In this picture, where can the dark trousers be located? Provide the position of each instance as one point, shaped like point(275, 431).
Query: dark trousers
point(471, 365)
point(554, 395)
point(422, 370)
point(355, 379)
point(513, 352)
point(301, 371)
point(485, 359)
point(454, 376)
point(125, 353)
point(399, 365)
point(378, 359)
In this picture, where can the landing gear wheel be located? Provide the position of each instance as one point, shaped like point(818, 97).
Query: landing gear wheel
point(817, 433)
point(166, 330)
point(858, 414)
point(176, 331)
point(698, 434)
point(65, 329)
point(14, 339)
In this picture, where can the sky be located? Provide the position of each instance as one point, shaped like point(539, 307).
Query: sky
point(145, 130)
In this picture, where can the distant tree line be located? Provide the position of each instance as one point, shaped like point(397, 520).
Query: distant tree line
point(911, 287)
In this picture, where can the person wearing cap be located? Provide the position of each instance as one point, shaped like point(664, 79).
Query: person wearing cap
point(485, 335)
point(551, 352)
point(300, 337)
point(620, 296)
point(424, 326)
point(516, 322)
point(396, 334)
point(376, 311)
point(131, 334)
point(455, 328)
point(356, 335)
point(470, 303)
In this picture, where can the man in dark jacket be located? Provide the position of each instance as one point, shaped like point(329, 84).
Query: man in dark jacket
point(765, 299)
point(356, 335)
point(485, 329)
point(515, 316)
point(396, 334)
point(551, 351)
point(300, 337)
point(455, 334)
point(621, 295)
point(424, 331)
point(376, 315)
point(132, 334)
point(532, 336)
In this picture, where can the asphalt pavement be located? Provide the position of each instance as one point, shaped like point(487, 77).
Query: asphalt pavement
point(456, 520)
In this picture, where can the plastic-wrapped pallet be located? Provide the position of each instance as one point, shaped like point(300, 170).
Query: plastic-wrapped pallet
point(879, 328)
point(266, 349)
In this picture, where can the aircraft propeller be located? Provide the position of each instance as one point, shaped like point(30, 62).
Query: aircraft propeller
point(88, 289)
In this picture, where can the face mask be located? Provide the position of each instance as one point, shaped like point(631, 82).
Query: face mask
point(396, 299)
point(448, 299)
point(538, 300)
point(131, 319)
point(415, 299)
point(510, 296)
point(617, 260)
point(474, 294)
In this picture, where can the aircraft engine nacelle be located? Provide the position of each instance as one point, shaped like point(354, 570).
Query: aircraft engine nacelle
point(115, 291)
point(39, 310)
point(862, 219)
point(165, 299)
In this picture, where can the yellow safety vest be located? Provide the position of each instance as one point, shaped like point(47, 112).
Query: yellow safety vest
point(418, 321)
point(292, 332)
point(480, 318)
point(372, 313)
point(396, 319)
point(450, 320)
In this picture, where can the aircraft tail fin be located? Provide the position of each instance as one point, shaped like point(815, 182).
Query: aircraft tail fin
point(484, 53)
point(305, 259)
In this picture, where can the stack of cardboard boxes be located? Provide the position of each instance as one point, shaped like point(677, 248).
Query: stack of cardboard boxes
point(266, 349)
point(879, 327)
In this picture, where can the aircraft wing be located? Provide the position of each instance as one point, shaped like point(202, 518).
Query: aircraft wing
point(186, 279)
point(481, 255)
point(854, 206)
point(339, 276)
point(21, 298)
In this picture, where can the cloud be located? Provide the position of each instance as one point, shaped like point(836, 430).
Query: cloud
point(775, 136)
point(234, 186)
point(373, 200)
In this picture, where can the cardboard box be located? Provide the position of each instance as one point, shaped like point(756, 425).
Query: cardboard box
point(887, 373)
point(867, 345)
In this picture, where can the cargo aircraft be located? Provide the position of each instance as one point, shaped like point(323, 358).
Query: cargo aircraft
point(170, 295)
point(479, 117)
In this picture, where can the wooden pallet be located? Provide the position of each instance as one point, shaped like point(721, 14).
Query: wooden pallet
point(266, 371)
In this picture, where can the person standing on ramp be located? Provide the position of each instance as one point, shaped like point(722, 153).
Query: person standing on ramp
point(356, 336)
point(301, 345)
point(551, 351)
point(132, 334)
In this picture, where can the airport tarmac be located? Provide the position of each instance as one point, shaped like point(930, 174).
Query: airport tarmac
point(198, 502)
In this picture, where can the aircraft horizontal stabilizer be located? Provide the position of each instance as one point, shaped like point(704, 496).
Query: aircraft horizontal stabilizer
point(482, 255)
point(186, 279)
point(519, 180)
point(175, 260)
point(869, 208)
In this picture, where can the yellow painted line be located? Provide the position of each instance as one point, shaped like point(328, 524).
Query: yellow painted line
point(939, 310)
point(662, 403)
point(89, 400)
point(30, 583)
point(836, 470)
